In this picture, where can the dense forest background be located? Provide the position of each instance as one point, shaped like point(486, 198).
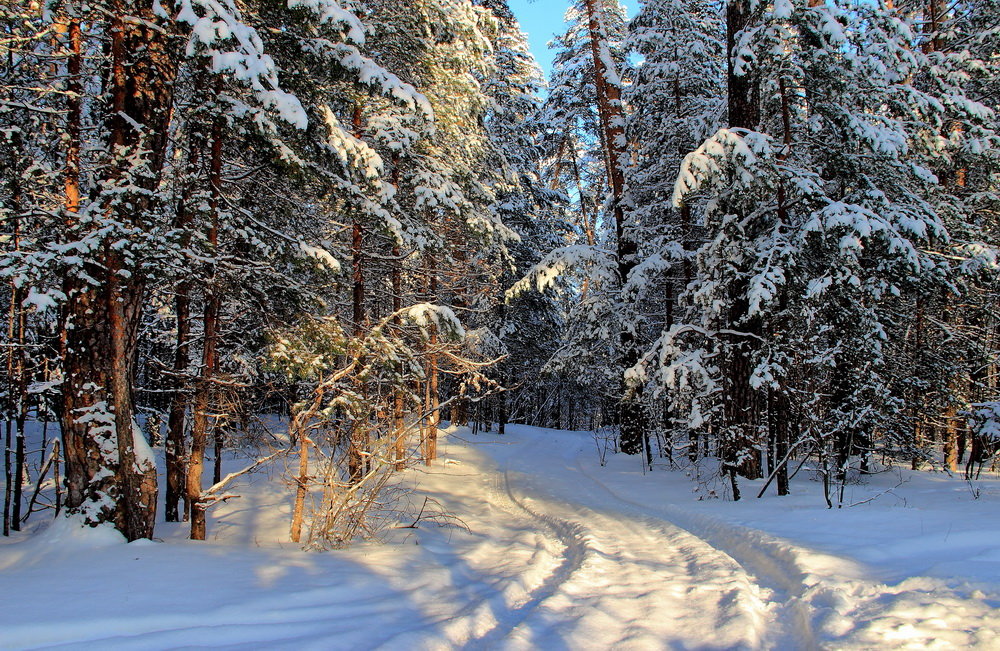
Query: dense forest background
point(740, 233)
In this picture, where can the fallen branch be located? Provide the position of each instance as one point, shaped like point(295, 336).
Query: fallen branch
point(41, 477)
point(208, 495)
point(888, 491)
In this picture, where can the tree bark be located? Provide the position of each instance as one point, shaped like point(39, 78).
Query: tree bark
point(633, 435)
point(744, 86)
point(175, 445)
point(17, 388)
point(433, 383)
point(739, 455)
point(74, 114)
point(398, 404)
point(107, 480)
point(8, 477)
point(205, 388)
point(358, 446)
point(301, 481)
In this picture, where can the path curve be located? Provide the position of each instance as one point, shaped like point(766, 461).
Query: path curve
point(647, 581)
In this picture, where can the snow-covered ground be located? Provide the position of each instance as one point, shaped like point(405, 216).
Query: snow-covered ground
point(557, 552)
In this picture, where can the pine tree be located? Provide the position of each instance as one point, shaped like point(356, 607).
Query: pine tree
point(677, 101)
point(810, 242)
point(586, 99)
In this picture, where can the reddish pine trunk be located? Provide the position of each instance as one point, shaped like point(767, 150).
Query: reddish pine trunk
point(74, 86)
point(107, 480)
point(935, 16)
point(632, 417)
point(358, 446)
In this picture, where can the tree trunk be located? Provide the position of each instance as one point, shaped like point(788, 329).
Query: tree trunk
point(110, 475)
point(17, 389)
point(951, 438)
point(74, 114)
point(778, 407)
point(217, 434)
point(432, 399)
point(398, 405)
point(933, 22)
point(8, 486)
point(744, 87)
point(632, 414)
point(740, 409)
point(358, 446)
point(204, 389)
point(432, 403)
point(175, 445)
point(301, 481)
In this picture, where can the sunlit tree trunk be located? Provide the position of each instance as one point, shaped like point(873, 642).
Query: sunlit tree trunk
point(632, 416)
point(300, 432)
point(107, 480)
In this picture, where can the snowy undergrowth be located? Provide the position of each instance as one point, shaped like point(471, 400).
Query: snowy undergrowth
point(559, 552)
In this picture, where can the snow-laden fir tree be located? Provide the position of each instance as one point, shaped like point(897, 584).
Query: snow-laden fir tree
point(819, 205)
point(676, 100)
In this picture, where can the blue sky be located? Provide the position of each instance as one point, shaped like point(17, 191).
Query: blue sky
point(542, 19)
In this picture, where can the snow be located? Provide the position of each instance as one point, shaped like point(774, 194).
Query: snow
point(41, 301)
point(599, 262)
point(985, 420)
point(330, 11)
point(221, 26)
point(145, 458)
point(322, 256)
point(350, 150)
point(706, 163)
point(556, 552)
point(439, 317)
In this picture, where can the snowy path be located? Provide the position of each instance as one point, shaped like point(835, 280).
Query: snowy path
point(630, 579)
point(669, 577)
point(559, 554)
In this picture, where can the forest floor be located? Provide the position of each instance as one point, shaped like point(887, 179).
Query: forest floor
point(553, 551)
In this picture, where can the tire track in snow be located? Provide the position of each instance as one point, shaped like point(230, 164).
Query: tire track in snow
point(825, 608)
point(712, 587)
point(491, 592)
point(570, 535)
point(769, 560)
